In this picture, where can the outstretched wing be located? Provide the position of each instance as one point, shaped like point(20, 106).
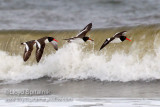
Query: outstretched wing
point(84, 30)
point(107, 41)
point(55, 45)
point(27, 54)
point(28, 49)
point(39, 52)
point(119, 34)
point(70, 39)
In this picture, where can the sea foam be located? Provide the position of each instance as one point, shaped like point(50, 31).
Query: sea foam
point(73, 62)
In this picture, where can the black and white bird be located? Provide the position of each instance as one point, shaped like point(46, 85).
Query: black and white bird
point(82, 34)
point(40, 45)
point(117, 38)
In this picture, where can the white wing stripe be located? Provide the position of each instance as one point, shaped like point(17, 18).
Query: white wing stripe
point(39, 45)
point(27, 47)
point(82, 31)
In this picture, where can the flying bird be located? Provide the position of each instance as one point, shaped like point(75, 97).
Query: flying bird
point(117, 38)
point(82, 34)
point(40, 45)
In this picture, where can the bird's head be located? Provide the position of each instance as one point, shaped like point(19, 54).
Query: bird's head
point(52, 39)
point(87, 38)
point(123, 37)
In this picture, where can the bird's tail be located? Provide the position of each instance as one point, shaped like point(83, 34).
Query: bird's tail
point(68, 40)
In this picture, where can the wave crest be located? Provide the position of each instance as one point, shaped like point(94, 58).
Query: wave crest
point(72, 61)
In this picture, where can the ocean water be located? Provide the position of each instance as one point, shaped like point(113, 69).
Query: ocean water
point(125, 74)
point(78, 74)
point(128, 61)
point(75, 14)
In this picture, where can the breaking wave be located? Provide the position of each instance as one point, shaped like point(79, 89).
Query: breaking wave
point(128, 61)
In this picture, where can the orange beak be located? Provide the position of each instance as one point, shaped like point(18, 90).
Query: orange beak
point(55, 40)
point(90, 39)
point(128, 39)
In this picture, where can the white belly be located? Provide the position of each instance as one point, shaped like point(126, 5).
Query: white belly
point(77, 40)
point(116, 40)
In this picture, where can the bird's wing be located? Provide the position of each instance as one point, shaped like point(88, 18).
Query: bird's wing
point(55, 45)
point(69, 39)
point(84, 31)
point(28, 49)
point(119, 34)
point(39, 52)
point(107, 41)
point(27, 54)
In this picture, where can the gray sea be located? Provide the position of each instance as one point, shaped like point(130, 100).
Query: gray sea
point(74, 14)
